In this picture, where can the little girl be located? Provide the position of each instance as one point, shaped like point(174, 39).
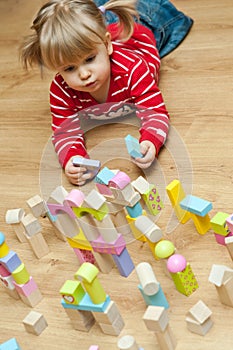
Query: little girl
point(102, 71)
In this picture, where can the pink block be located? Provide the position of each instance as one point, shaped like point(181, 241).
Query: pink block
point(115, 247)
point(75, 198)
point(94, 347)
point(84, 256)
point(4, 272)
point(220, 239)
point(120, 180)
point(56, 208)
point(27, 288)
point(103, 189)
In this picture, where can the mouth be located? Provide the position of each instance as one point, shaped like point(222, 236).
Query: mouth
point(90, 84)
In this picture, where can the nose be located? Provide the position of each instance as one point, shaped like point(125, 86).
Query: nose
point(84, 73)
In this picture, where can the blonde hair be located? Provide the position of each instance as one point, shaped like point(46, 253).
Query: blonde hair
point(67, 30)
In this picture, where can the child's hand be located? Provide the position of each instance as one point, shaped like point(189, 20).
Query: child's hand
point(77, 175)
point(148, 150)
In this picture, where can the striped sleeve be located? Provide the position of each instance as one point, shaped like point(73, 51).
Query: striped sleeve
point(68, 137)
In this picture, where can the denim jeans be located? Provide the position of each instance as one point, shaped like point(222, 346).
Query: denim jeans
point(169, 25)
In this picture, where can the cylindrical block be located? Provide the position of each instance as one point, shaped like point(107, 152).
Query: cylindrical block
point(21, 275)
point(127, 343)
point(147, 278)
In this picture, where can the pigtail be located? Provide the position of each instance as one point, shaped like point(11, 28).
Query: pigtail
point(126, 12)
point(29, 51)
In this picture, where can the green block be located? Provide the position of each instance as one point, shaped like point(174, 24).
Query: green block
point(185, 281)
point(72, 292)
point(218, 224)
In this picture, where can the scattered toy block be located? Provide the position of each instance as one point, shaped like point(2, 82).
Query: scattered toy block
point(81, 320)
point(124, 263)
point(110, 320)
point(133, 147)
point(11, 261)
point(38, 244)
point(222, 277)
point(104, 176)
point(199, 318)
point(176, 194)
point(218, 223)
point(37, 206)
point(94, 347)
point(229, 245)
point(149, 229)
point(220, 239)
point(72, 292)
point(35, 323)
point(31, 225)
point(92, 165)
point(229, 222)
point(10, 344)
point(127, 342)
point(14, 218)
point(199, 209)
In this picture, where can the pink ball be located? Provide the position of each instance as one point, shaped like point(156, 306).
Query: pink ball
point(176, 263)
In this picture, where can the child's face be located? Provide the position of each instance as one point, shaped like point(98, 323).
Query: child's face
point(92, 73)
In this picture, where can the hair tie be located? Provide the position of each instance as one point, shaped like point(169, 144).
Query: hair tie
point(102, 9)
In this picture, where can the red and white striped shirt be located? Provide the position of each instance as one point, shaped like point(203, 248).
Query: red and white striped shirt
point(134, 77)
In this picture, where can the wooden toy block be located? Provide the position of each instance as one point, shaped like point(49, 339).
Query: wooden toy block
point(86, 304)
point(124, 263)
point(37, 206)
point(199, 318)
point(156, 318)
point(74, 198)
point(166, 339)
point(104, 261)
point(104, 176)
point(133, 146)
point(182, 274)
point(115, 247)
point(109, 315)
point(153, 200)
point(158, 299)
point(21, 275)
point(87, 273)
point(220, 274)
point(89, 228)
point(4, 249)
point(35, 323)
point(220, 239)
point(31, 224)
point(119, 219)
point(94, 347)
point(137, 234)
point(121, 180)
point(84, 255)
point(125, 196)
point(107, 229)
point(94, 200)
point(229, 222)
point(29, 292)
point(196, 205)
point(72, 292)
point(202, 224)
point(135, 210)
point(14, 218)
point(218, 223)
point(127, 342)
point(97, 214)
point(150, 230)
point(104, 190)
point(198, 328)
point(115, 328)
point(92, 165)
point(176, 194)
point(79, 241)
point(8, 282)
point(229, 245)
point(38, 245)
point(80, 320)
point(11, 261)
point(200, 312)
point(56, 209)
point(10, 344)
point(58, 195)
point(147, 279)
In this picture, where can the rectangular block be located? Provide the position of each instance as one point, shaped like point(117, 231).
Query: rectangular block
point(10, 344)
point(35, 323)
point(124, 263)
point(218, 223)
point(156, 318)
point(92, 165)
point(87, 305)
point(11, 261)
point(196, 205)
point(176, 194)
point(133, 146)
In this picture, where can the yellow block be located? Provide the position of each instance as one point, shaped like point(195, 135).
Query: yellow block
point(79, 241)
point(137, 234)
point(202, 223)
point(176, 193)
point(4, 250)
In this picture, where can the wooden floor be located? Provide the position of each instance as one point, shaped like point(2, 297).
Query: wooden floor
point(196, 80)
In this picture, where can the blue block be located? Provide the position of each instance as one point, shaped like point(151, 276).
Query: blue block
point(87, 305)
point(104, 176)
point(10, 344)
point(134, 211)
point(157, 299)
point(11, 261)
point(124, 263)
point(196, 205)
point(133, 146)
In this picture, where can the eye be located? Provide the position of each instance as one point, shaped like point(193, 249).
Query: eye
point(69, 69)
point(90, 58)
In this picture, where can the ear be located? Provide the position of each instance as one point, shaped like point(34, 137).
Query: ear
point(108, 43)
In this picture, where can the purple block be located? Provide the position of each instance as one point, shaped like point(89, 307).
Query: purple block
point(124, 263)
point(11, 261)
